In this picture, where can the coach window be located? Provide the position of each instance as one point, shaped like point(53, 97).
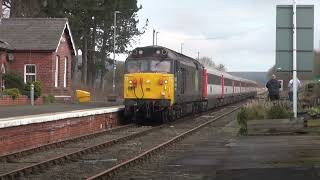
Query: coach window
point(29, 73)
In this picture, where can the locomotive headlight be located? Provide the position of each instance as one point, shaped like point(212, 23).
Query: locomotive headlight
point(166, 81)
point(163, 93)
point(148, 81)
point(158, 52)
point(160, 81)
point(140, 52)
point(130, 82)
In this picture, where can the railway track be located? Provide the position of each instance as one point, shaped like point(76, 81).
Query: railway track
point(19, 164)
point(94, 153)
point(146, 155)
point(85, 165)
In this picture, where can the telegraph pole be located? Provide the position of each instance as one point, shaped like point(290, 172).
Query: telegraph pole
point(114, 52)
point(157, 37)
point(294, 70)
point(153, 33)
point(198, 55)
point(181, 47)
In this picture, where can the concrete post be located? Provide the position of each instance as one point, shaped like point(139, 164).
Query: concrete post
point(32, 94)
point(294, 70)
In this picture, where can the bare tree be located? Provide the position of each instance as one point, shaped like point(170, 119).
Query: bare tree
point(221, 67)
point(207, 62)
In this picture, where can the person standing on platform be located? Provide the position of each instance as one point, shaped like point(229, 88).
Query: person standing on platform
point(290, 86)
point(273, 86)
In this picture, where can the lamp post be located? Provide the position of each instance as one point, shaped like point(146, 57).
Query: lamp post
point(114, 51)
point(294, 67)
point(181, 47)
point(157, 37)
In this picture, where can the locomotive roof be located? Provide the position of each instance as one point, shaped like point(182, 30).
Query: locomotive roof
point(171, 54)
point(228, 76)
point(181, 57)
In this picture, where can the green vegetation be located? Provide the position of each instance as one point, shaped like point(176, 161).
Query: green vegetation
point(13, 80)
point(49, 99)
point(90, 21)
point(13, 92)
point(268, 110)
point(314, 111)
point(278, 111)
point(257, 110)
point(242, 118)
point(37, 89)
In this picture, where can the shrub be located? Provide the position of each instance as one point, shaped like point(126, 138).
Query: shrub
point(314, 111)
point(242, 118)
point(278, 111)
point(37, 89)
point(12, 80)
point(49, 99)
point(13, 92)
point(255, 110)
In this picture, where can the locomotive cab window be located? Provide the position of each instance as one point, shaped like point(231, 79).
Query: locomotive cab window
point(136, 66)
point(160, 66)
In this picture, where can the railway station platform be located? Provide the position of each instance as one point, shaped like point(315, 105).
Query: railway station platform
point(25, 110)
point(25, 127)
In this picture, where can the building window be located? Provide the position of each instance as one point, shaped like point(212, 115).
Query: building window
point(65, 72)
point(56, 73)
point(29, 73)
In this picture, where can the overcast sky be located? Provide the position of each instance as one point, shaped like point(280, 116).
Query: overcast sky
point(241, 32)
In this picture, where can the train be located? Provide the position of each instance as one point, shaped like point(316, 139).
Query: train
point(162, 84)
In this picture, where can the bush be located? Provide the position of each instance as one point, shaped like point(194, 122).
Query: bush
point(242, 118)
point(13, 92)
point(278, 111)
point(255, 110)
point(49, 99)
point(12, 80)
point(37, 89)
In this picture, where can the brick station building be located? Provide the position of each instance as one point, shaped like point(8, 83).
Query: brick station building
point(39, 49)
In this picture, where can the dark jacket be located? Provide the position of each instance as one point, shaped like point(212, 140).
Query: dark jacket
point(273, 86)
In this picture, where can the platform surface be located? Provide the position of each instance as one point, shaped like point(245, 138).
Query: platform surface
point(14, 111)
point(56, 115)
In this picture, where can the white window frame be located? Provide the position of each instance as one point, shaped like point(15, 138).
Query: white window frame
point(56, 72)
point(25, 74)
point(65, 72)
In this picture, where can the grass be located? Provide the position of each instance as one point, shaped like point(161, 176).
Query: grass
point(258, 110)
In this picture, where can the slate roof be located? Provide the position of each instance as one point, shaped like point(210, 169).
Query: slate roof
point(32, 33)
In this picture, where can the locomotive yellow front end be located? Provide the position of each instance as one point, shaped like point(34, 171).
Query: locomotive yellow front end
point(153, 86)
point(148, 85)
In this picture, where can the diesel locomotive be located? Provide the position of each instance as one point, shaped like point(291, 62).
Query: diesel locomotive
point(160, 83)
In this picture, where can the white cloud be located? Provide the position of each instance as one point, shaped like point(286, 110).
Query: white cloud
point(244, 30)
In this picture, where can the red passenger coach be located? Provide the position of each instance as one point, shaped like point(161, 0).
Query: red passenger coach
point(205, 84)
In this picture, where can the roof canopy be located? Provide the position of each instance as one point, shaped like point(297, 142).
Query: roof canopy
point(34, 33)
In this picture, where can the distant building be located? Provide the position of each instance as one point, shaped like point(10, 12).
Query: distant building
point(39, 49)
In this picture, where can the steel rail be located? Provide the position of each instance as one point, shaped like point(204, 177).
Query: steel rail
point(66, 157)
point(14, 155)
point(147, 154)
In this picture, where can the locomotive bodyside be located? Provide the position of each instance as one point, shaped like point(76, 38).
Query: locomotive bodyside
point(164, 84)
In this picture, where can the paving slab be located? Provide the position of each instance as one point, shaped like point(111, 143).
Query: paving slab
point(13, 111)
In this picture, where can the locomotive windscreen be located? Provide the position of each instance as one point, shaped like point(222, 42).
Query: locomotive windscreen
point(145, 65)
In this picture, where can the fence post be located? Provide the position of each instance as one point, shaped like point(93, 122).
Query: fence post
point(32, 94)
